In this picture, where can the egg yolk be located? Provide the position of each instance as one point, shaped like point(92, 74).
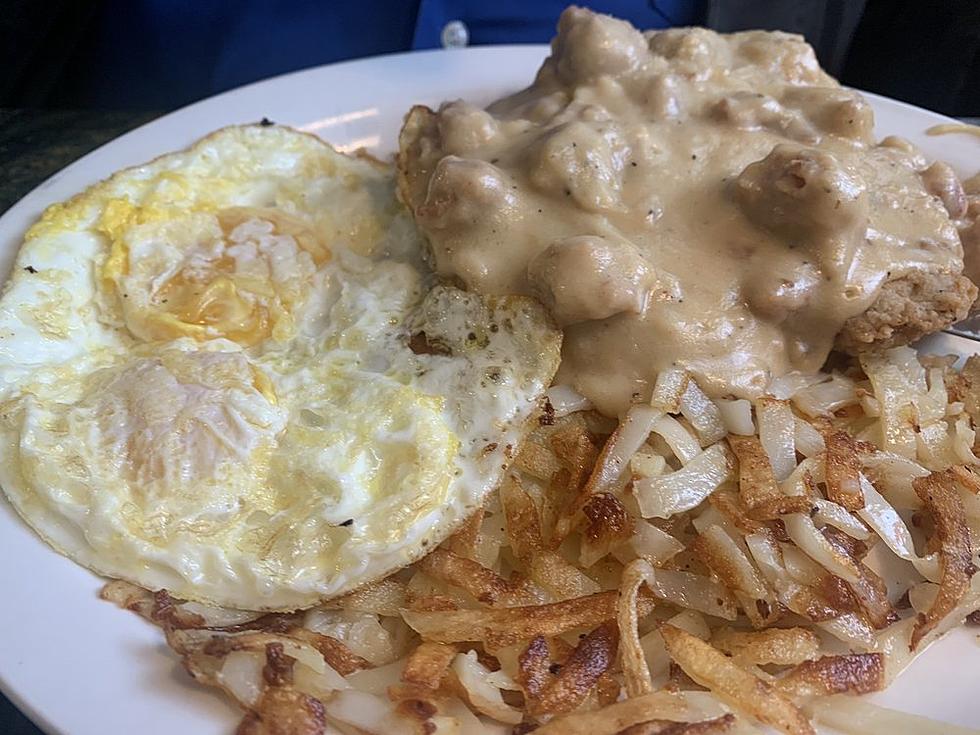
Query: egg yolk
point(235, 274)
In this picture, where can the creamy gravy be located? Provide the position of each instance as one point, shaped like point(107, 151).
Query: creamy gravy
point(676, 198)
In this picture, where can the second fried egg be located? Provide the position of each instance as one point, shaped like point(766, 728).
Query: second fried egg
point(227, 373)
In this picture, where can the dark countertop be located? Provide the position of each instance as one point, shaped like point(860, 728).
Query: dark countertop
point(37, 143)
point(34, 144)
point(12, 722)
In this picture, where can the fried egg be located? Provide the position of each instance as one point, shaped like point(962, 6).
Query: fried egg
point(229, 373)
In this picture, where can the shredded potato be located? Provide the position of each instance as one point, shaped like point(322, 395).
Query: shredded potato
point(809, 441)
point(694, 592)
point(622, 444)
point(895, 398)
point(684, 446)
point(722, 555)
point(891, 529)
point(857, 717)
point(427, 664)
point(484, 584)
point(822, 399)
point(737, 416)
point(805, 534)
point(756, 480)
point(855, 673)
point(777, 432)
point(843, 470)
point(564, 399)
point(938, 492)
point(669, 390)
point(831, 514)
point(609, 525)
point(652, 543)
point(480, 692)
point(782, 646)
point(685, 489)
point(615, 718)
point(703, 415)
point(636, 672)
point(782, 554)
point(577, 674)
point(506, 626)
point(735, 686)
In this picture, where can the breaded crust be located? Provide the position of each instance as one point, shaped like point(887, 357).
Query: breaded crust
point(908, 308)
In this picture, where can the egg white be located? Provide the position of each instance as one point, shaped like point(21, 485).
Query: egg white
point(208, 381)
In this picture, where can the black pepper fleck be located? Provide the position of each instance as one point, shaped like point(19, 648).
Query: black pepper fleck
point(31, 269)
point(266, 122)
point(348, 522)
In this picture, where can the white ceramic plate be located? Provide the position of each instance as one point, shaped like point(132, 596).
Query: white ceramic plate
point(79, 666)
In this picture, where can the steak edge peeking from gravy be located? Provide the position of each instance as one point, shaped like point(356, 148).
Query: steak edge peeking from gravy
point(677, 198)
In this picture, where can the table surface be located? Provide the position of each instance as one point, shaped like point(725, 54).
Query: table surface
point(34, 144)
